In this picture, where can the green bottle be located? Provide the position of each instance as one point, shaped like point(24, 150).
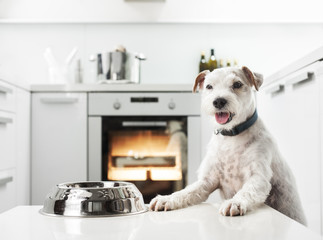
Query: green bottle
point(203, 65)
point(212, 64)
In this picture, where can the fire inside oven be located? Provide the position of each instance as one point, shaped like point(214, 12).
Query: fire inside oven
point(151, 152)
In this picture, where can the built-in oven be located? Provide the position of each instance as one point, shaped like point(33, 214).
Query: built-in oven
point(150, 139)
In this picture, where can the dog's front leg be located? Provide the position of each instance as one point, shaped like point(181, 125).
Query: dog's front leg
point(193, 194)
point(254, 192)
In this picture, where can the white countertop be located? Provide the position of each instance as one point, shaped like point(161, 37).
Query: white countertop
point(111, 87)
point(198, 222)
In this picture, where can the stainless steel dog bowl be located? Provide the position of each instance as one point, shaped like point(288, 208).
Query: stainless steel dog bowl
point(94, 199)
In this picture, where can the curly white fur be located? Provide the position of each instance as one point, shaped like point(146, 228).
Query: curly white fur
point(247, 168)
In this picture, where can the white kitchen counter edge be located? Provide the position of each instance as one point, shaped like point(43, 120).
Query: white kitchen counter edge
point(111, 88)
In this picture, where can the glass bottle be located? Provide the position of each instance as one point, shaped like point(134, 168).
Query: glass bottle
point(203, 64)
point(212, 63)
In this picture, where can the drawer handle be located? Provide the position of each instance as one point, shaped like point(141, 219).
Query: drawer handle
point(300, 78)
point(62, 100)
point(4, 120)
point(275, 89)
point(5, 90)
point(5, 180)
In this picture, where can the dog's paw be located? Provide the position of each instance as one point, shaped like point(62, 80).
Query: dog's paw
point(162, 203)
point(233, 208)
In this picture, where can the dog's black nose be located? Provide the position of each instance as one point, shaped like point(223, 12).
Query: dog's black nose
point(219, 103)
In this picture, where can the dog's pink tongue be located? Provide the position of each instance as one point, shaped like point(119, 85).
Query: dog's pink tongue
point(222, 117)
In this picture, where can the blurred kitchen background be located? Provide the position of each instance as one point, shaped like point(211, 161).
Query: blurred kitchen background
point(171, 33)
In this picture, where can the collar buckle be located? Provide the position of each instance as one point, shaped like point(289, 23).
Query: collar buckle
point(217, 131)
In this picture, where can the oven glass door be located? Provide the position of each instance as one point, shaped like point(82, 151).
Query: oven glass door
point(151, 152)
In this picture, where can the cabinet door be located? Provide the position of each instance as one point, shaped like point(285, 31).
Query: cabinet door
point(7, 140)
point(7, 97)
point(59, 141)
point(292, 115)
point(272, 107)
point(302, 151)
point(7, 189)
point(23, 146)
point(321, 145)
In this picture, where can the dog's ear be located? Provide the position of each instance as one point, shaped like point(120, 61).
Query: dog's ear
point(255, 79)
point(199, 81)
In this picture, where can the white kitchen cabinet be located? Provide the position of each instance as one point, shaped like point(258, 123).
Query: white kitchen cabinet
point(8, 189)
point(7, 140)
point(59, 141)
point(290, 108)
point(321, 147)
point(14, 146)
point(22, 146)
point(7, 126)
point(7, 97)
point(7, 161)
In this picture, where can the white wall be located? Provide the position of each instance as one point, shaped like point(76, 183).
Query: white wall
point(164, 11)
point(264, 35)
point(172, 50)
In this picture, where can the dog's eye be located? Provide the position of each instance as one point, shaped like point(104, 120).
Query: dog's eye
point(237, 85)
point(209, 86)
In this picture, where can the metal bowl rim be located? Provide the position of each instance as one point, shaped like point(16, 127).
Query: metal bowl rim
point(123, 184)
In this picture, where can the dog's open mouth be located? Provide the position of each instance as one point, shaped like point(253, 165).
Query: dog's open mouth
point(223, 117)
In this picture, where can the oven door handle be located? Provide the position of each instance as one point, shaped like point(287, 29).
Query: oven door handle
point(144, 124)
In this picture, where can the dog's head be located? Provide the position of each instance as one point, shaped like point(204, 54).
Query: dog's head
point(227, 94)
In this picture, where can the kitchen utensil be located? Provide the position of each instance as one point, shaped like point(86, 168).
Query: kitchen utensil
point(100, 67)
point(92, 199)
point(124, 67)
point(117, 65)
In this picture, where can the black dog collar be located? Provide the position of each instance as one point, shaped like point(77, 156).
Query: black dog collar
point(239, 128)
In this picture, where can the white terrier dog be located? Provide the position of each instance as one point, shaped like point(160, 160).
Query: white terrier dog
point(242, 160)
